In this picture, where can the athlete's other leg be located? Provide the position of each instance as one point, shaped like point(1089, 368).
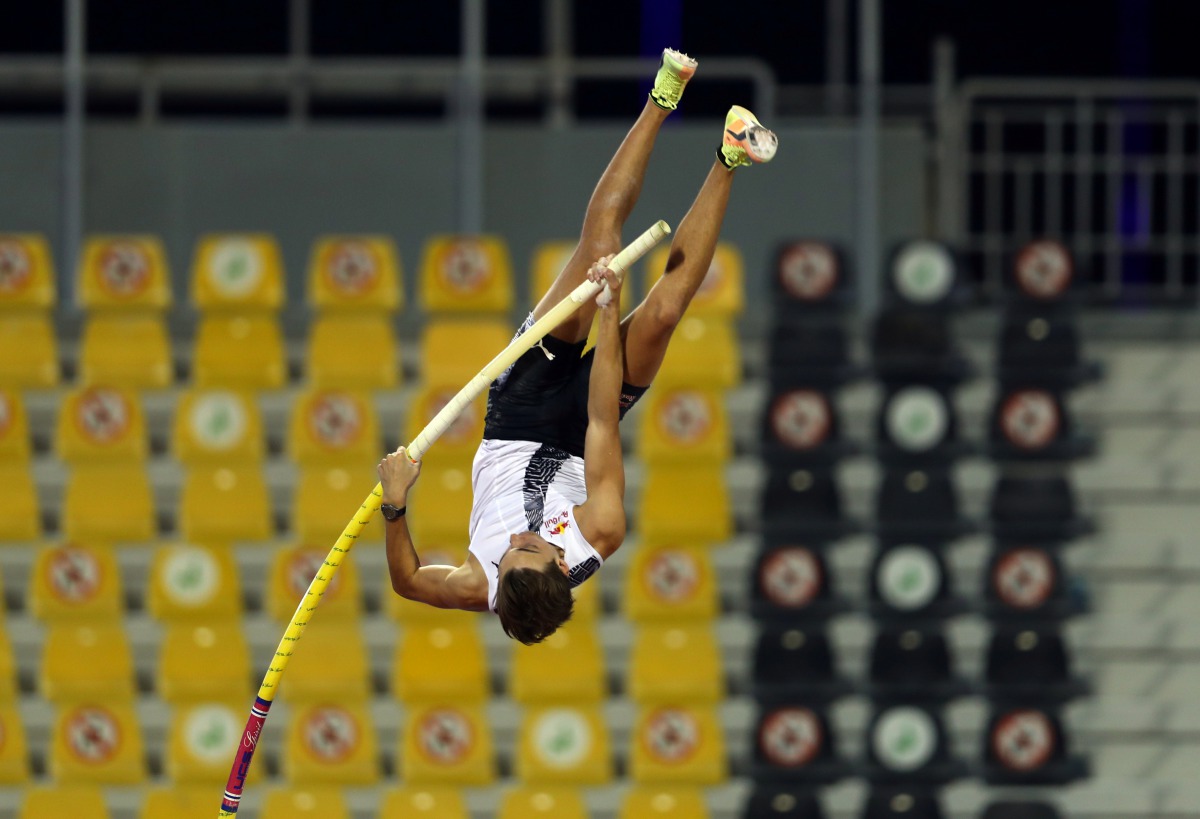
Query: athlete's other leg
point(616, 194)
point(648, 328)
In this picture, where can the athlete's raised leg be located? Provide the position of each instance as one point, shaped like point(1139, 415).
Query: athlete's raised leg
point(616, 194)
point(648, 328)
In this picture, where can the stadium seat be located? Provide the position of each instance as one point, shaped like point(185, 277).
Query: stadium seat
point(809, 279)
point(1042, 347)
point(649, 802)
point(108, 504)
point(466, 274)
point(453, 351)
point(803, 503)
point(75, 583)
point(14, 761)
point(567, 667)
point(814, 354)
point(791, 584)
point(457, 445)
point(912, 665)
point(670, 583)
point(1026, 745)
point(198, 663)
point(244, 352)
point(21, 519)
point(329, 663)
point(217, 428)
point(793, 745)
point(909, 581)
point(14, 428)
point(98, 425)
point(659, 651)
point(237, 272)
point(586, 601)
point(97, 744)
point(527, 802)
point(683, 426)
point(296, 802)
point(8, 668)
point(698, 489)
point(1020, 810)
point(189, 582)
point(27, 278)
point(564, 745)
point(1028, 583)
point(293, 569)
point(326, 498)
point(92, 661)
point(444, 497)
point(1030, 664)
point(794, 664)
point(446, 745)
point(199, 740)
point(408, 801)
point(721, 294)
point(909, 343)
point(28, 351)
point(126, 351)
point(1033, 424)
point(918, 503)
point(779, 802)
point(176, 802)
point(333, 428)
point(440, 663)
point(1036, 508)
point(357, 352)
point(924, 273)
point(902, 804)
point(124, 273)
point(800, 426)
point(917, 424)
point(331, 744)
point(225, 505)
point(28, 348)
point(57, 801)
point(703, 353)
point(359, 274)
point(908, 744)
point(677, 745)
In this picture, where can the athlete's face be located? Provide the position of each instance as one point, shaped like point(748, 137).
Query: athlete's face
point(529, 550)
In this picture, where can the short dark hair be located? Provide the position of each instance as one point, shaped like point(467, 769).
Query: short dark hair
point(533, 603)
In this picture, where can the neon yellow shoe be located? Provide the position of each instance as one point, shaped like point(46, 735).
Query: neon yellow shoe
point(746, 140)
point(675, 69)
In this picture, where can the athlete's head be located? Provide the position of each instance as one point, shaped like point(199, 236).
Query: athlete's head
point(533, 596)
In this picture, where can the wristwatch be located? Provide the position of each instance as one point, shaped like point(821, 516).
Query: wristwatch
point(391, 513)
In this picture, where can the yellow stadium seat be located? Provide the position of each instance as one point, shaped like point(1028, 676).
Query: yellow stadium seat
point(101, 425)
point(587, 601)
point(549, 259)
point(14, 763)
point(355, 273)
point(28, 352)
point(670, 583)
point(198, 663)
point(567, 667)
point(454, 351)
point(75, 582)
point(201, 742)
point(302, 803)
point(237, 272)
point(721, 294)
point(97, 744)
point(122, 273)
point(27, 280)
point(56, 801)
point(225, 505)
point(333, 428)
point(564, 745)
point(417, 802)
point(109, 504)
point(663, 803)
point(14, 428)
point(466, 274)
point(410, 612)
point(217, 427)
point(239, 351)
point(358, 352)
point(677, 745)
point(21, 519)
point(92, 661)
point(670, 490)
point(126, 351)
point(188, 582)
point(659, 651)
point(681, 425)
point(8, 669)
point(458, 443)
point(331, 744)
point(559, 803)
point(443, 496)
point(326, 498)
point(181, 802)
point(329, 664)
point(446, 745)
point(293, 569)
point(439, 662)
point(702, 353)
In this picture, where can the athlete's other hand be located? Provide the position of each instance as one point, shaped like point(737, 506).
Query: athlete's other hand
point(397, 474)
point(599, 272)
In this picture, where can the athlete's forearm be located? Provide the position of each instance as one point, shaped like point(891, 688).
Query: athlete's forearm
point(604, 389)
point(402, 558)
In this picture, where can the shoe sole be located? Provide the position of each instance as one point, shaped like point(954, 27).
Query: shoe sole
point(681, 64)
point(759, 143)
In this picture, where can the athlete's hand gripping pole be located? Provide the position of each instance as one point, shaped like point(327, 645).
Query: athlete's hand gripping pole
point(420, 445)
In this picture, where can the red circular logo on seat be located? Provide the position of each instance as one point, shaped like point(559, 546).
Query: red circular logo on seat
point(92, 734)
point(1023, 740)
point(103, 415)
point(808, 270)
point(331, 734)
point(302, 566)
point(336, 419)
point(671, 736)
point(1024, 578)
point(801, 419)
point(790, 737)
point(685, 416)
point(672, 576)
point(351, 267)
point(466, 267)
point(16, 268)
point(1029, 419)
point(445, 736)
point(1044, 269)
point(73, 575)
point(124, 269)
point(791, 577)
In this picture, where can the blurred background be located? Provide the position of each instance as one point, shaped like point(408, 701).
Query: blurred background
point(927, 417)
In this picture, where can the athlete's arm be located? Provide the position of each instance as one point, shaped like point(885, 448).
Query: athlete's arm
point(447, 587)
point(602, 516)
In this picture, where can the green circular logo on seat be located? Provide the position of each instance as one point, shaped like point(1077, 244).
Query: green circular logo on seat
point(905, 738)
point(923, 272)
point(562, 738)
point(209, 731)
point(190, 576)
point(908, 577)
point(235, 268)
point(917, 418)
